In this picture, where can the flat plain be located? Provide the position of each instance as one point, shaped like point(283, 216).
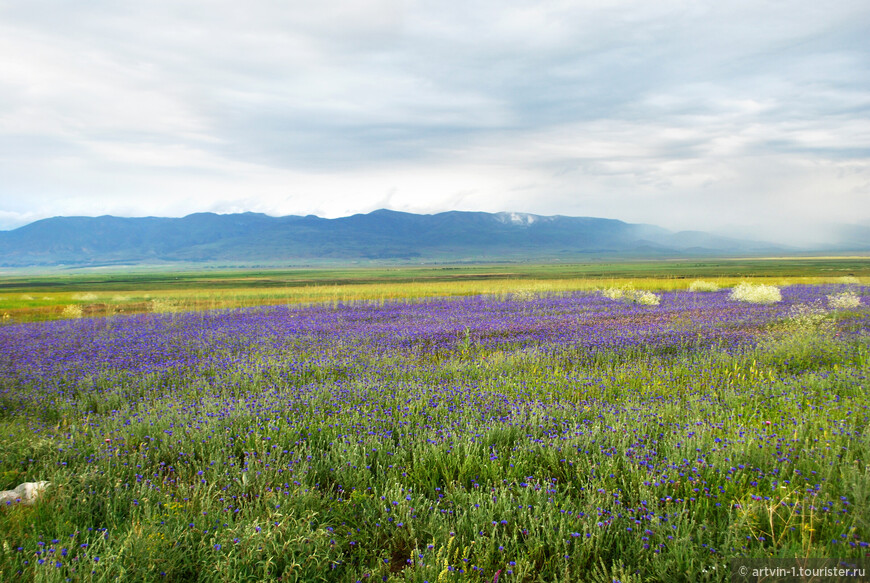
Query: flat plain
point(510, 423)
point(26, 296)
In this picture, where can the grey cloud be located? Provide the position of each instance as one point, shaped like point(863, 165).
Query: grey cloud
point(598, 107)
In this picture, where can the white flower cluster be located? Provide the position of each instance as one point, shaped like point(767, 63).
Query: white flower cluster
point(613, 293)
point(808, 318)
point(647, 298)
point(756, 294)
point(699, 285)
point(631, 295)
point(847, 299)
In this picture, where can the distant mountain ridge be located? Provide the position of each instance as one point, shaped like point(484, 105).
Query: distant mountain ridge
point(379, 235)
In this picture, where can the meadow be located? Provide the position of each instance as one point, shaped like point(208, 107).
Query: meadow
point(27, 297)
point(535, 430)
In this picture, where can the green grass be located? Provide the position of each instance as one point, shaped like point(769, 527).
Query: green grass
point(325, 525)
point(203, 278)
point(29, 297)
point(164, 498)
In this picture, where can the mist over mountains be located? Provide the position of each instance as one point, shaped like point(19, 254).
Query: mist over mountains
point(382, 235)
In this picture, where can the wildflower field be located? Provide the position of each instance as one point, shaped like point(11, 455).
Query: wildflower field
point(28, 297)
point(555, 436)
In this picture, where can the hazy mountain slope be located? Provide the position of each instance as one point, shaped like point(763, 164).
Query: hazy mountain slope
point(851, 237)
point(381, 234)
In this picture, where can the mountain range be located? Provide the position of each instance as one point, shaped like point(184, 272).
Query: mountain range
point(382, 235)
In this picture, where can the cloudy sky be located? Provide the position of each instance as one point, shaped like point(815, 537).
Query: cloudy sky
point(687, 114)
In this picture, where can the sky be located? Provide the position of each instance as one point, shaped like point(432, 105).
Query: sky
point(747, 117)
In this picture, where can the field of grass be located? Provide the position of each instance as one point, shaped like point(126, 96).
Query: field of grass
point(545, 432)
point(25, 298)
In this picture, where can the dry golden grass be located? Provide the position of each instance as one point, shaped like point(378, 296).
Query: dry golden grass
point(51, 305)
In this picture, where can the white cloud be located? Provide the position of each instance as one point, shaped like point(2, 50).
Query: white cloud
point(685, 114)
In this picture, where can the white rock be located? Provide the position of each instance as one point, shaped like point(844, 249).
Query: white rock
point(25, 493)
